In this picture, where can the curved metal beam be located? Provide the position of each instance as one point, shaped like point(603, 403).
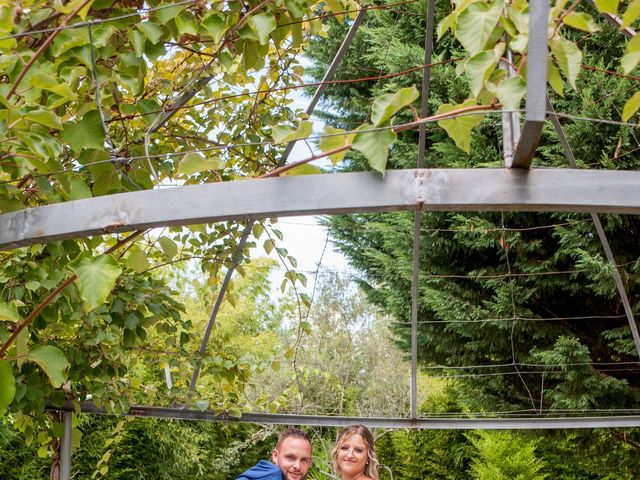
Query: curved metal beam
point(430, 189)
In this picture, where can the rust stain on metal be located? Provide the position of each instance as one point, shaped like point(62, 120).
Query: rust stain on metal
point(112, 227)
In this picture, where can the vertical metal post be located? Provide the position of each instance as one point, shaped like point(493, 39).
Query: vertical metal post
point(417, 219)
point(510, 120)
point(601, 234)
point(65, 449)
point(537, 50)
point(328, 76)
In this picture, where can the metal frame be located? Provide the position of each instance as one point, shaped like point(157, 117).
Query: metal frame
point(375, 422)
point(483, 189)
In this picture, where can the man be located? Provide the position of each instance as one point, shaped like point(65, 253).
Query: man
point(291, 459)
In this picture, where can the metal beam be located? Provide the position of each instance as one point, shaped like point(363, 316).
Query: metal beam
point(65, 448)
point(537, 51)
point(535, 423)
point(558, 190)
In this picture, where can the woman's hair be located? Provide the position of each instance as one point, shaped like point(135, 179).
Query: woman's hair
point(371, 468)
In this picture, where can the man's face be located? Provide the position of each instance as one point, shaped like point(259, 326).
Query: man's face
point(293, 456)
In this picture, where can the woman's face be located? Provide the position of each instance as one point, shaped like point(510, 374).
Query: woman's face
point(353, 455)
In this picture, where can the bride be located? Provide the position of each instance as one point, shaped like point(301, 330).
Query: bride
point(354, 455)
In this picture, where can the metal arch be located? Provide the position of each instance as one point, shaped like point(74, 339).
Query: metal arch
point(536, 86)
point(535, 423)
point(482, 189)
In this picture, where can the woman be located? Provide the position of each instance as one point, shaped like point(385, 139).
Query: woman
point(354, 455)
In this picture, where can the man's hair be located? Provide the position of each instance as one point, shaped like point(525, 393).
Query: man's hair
point(292, 433)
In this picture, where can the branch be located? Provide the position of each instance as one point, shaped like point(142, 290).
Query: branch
point(43, 47)
point(49, 298)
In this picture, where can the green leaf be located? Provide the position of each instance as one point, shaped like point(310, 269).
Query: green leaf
point(186, 23)
point(335, 141)
point(459, 128)
point(374, 146)
point(581, 21)
point(629, 61)
point(9, 312)
point(194, 162)
point(137, 259)
point(631, 107)
point(87, 133)
point(168, 246)
point(215, 26)
point(96, 278)
point(568, 56)
point(510, 92)
point(137, 40)
point(7, 386)
point(479, 68)
point(263, 25)
point(476, 24)
point(151, 30)
point(285, 134)
point(607, 6)
point(166, 14)
point(52, 362)
point(631, 13)
point(304, 169)
point(386, 106)
point(446, 24)
point(554, 77)
point(44, 117)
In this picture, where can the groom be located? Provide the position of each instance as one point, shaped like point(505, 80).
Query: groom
point(291, 459)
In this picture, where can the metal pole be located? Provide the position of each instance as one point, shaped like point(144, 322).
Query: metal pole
point(417, 219)
point(65, 449)
point(601, 233)
point(328, 76)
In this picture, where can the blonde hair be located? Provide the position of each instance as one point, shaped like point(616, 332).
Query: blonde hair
point(371, 468)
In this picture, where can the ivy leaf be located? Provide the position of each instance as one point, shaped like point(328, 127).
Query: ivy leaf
point(285, 134)
point(96, 278)
point(479, 68)
point(193, 162)
point(476, 24)
point(374, 146)
point(459, 128)
point(581, 21)
point(263, 25)
point(607, 6)
point(335, 141)
point(631, 13)
point(52, 362)
point(87, 133)
point(386, 106)
point(631, 107)
point(510, 92)
point(568, 56)
point(9, 312)
point(7, 386)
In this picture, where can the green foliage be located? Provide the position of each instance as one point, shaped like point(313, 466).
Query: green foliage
point(506, 456)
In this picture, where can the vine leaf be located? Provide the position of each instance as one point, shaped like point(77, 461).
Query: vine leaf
point(87, 133)
point(568, 56)
point(193, 162)
point(215, 25)
point(632, 57)
point(581, 21)
point(52, 361)
point(631, 13)
point(510, 92)
point(335, 141)
point(554, 77)
point(631, 107)
point(459, 128)
point(607, 6)
point(479, 68)
point(304, 169)
point(374, 146)
point(388, 105)
point(8, 311)
point(476, 24)
point(96, 278)
point(7, 386)
point(285, 134)
point(263, 25)
point(168, 246)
